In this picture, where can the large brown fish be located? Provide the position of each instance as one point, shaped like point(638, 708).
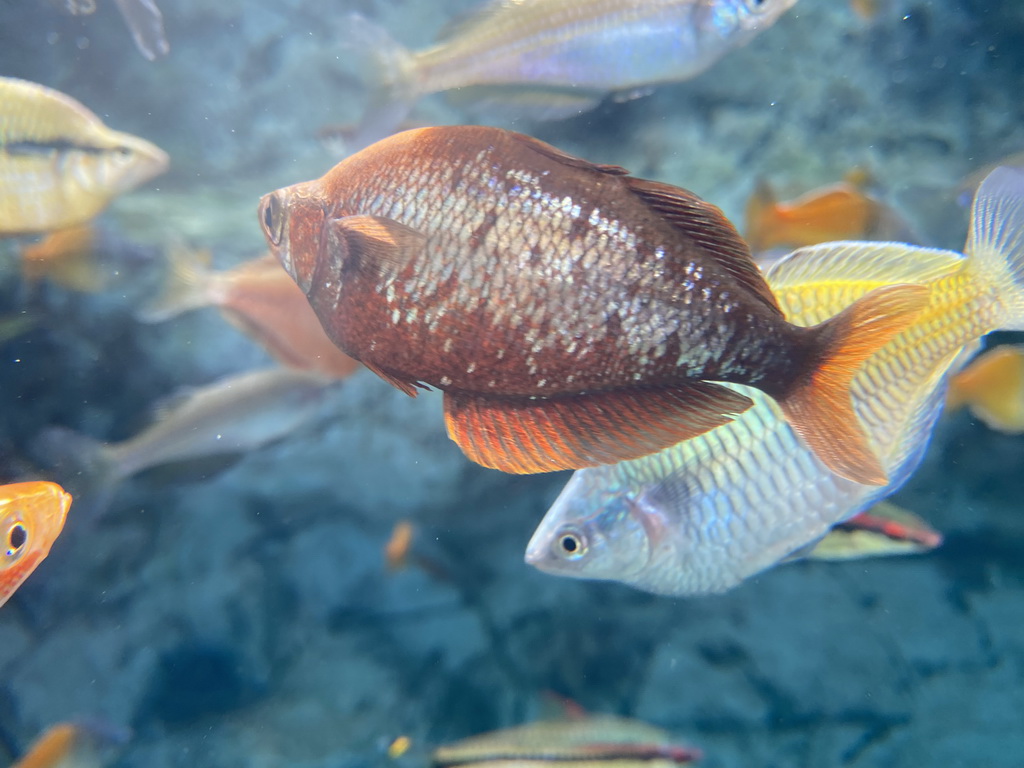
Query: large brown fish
point(572, 314)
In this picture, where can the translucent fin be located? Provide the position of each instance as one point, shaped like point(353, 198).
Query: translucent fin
point(531, 103)
point(187, 285)
point(86, 467)
point(529, 436)
point(992, 386)
point(996, 240)
point(882, 531)
point(375, 243)
point(819, 407)
point(146, 24)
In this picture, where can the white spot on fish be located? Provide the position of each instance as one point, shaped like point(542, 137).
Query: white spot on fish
point(445, 381)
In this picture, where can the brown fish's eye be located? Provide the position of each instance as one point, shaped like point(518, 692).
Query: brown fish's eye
point(272, 219)
point(571, 545)
point(16, 538)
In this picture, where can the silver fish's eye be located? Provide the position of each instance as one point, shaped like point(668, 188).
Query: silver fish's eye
point(17, 537)
point(272, 218)
point(756, 6)
point(570, 544)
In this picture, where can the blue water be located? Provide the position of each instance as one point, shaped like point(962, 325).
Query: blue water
point(241, 613)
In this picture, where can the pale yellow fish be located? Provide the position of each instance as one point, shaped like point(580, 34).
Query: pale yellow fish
point(992, 388)
point(59, 164)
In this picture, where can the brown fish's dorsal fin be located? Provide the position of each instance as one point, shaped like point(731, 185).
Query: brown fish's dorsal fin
point(706, 225)
point(375, 243)
point(524, 436)
point(564, 158)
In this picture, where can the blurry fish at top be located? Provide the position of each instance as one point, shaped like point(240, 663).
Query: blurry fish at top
point(867, 9)
point(143, 18)
point(260, 299)
point(601, 741)
point(992, 388)
point(573, 315)
point(235, 414)
point(708, 513)
point(32, 516)
point(841, 211)
point(549, 59)
point(59, 165)
point(73, 745)
point(882, 531)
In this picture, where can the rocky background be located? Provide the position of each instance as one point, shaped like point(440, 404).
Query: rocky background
point(245, 616)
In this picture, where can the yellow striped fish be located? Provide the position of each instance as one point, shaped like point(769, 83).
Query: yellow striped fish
point(705, 514)
point(59, 164)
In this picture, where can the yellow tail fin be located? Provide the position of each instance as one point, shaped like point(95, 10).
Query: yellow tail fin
point(819, 407)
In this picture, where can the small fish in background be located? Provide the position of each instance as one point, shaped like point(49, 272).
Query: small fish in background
point(14, 325)
point(144, 21)
point(32, 516)
point(550, 59)
point(992, 388)
point(884, 530)
point(235, 414)
point(73, 745)
point(398, 747)
point(867, 10)
point(573, 315)
point(398, 547)
point(261, 300)
point(595, 742)
point(841, 211)
point(704, 515)
point(60, 166)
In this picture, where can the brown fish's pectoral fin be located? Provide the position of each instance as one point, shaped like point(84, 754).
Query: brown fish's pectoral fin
point(406, 386)
point(375, 243)
point(819, 408)
point(524, 436)
point(706, 225)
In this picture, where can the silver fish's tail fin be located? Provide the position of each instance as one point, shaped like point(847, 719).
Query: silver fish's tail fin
point(995, 244)
point(186, 286)
point(818, 406)
point(86, 467)
point(389, 70)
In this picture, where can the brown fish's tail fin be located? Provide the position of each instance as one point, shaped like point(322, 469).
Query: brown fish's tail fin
point(187, 286)
point(819, 407)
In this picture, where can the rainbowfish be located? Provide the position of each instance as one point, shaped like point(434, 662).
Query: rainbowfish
point(992, 388)
point(59, 165)
point(555, 58)
point(591, 742)
point(706, 514)
point(32, 516)
point(573, 315)
point(260, 299)
point(72, 745)
point(234, 414)
point(841, 211)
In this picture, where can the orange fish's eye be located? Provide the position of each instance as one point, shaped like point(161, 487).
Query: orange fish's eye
point(17, 538)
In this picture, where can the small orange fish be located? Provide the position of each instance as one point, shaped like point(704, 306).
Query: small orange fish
point(573, 315)
point(71, 745)
point(261, 300)
point(992, 388)
point(866, 9)
point(397, 548)
point(31, 518)
point(65, 256)
point(836, 212)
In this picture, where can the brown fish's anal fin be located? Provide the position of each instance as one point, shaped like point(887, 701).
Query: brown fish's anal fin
point(819, 407)
point(525, 436)
point(707, 226)
point(410, 388)
point(375, 243)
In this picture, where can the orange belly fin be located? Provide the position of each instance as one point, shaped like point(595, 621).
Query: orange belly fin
point(523, 436)
point(819, 408)
point(406, 386)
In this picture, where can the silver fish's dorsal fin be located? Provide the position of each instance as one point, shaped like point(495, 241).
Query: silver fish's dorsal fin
point(706, 225)
point(564, 158)
point(853, 261)
point(375, 243)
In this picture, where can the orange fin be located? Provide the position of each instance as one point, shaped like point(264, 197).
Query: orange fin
point(705, 224)
point(376, 243)
point(761, 208)
point(523, 436)
point(819, 408)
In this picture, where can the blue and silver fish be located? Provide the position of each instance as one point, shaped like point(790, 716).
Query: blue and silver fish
point(555, 58)
point(706, 514)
